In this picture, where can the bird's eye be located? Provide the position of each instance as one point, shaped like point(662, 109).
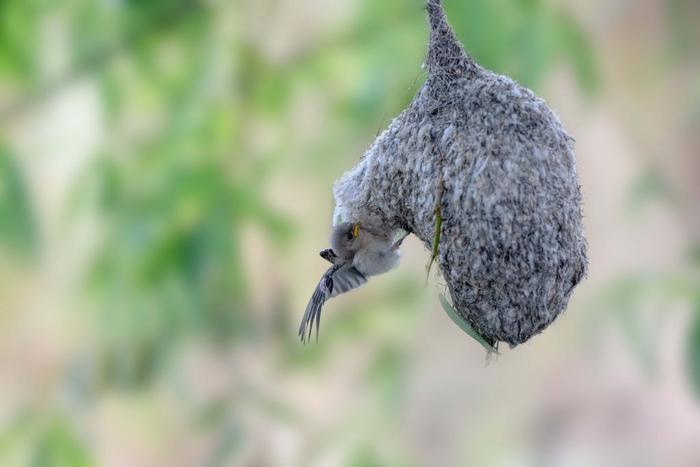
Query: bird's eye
point(350, 236)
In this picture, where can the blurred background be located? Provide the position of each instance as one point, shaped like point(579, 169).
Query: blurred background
point(165, 187)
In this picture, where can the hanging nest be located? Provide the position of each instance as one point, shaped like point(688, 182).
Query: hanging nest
point(488, 163)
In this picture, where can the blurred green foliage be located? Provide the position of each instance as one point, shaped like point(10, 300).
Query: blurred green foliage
point(524, 39)
point(48, 439)
point(172, 208)
point(58, 445)
point(181, 176)
point(18, 230)
point(692, 349)
point(684, 32)
point(19, 22)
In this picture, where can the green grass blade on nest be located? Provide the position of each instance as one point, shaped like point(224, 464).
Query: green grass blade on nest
point(465, 326)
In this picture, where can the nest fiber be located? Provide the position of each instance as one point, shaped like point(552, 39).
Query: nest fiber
point(494, 162)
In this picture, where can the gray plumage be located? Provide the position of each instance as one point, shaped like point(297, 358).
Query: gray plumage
point(512, 246)
point(358, 252)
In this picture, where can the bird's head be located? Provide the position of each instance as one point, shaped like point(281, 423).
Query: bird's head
point(346, 239)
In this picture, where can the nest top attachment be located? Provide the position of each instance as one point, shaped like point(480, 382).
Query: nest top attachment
point(495, 163)
point(445, 54)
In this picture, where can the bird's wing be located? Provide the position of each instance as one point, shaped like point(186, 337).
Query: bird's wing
point(340, 278)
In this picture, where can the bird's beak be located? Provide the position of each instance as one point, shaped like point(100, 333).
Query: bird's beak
point(355, 230)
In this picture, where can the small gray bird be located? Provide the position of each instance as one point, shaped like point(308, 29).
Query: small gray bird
point(356, 253)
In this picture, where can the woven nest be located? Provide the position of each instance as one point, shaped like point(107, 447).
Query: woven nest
point(495, 164)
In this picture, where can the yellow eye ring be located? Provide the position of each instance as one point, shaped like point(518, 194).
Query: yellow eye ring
point(355, 230)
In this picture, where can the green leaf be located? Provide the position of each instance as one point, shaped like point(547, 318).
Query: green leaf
point(365, 456)
point(59, 445)
point(18, 40)
point(15, 434)
point(694, 255)
point(577, 47)
point(465, 326)
point(693, 352)
point(17, 226)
